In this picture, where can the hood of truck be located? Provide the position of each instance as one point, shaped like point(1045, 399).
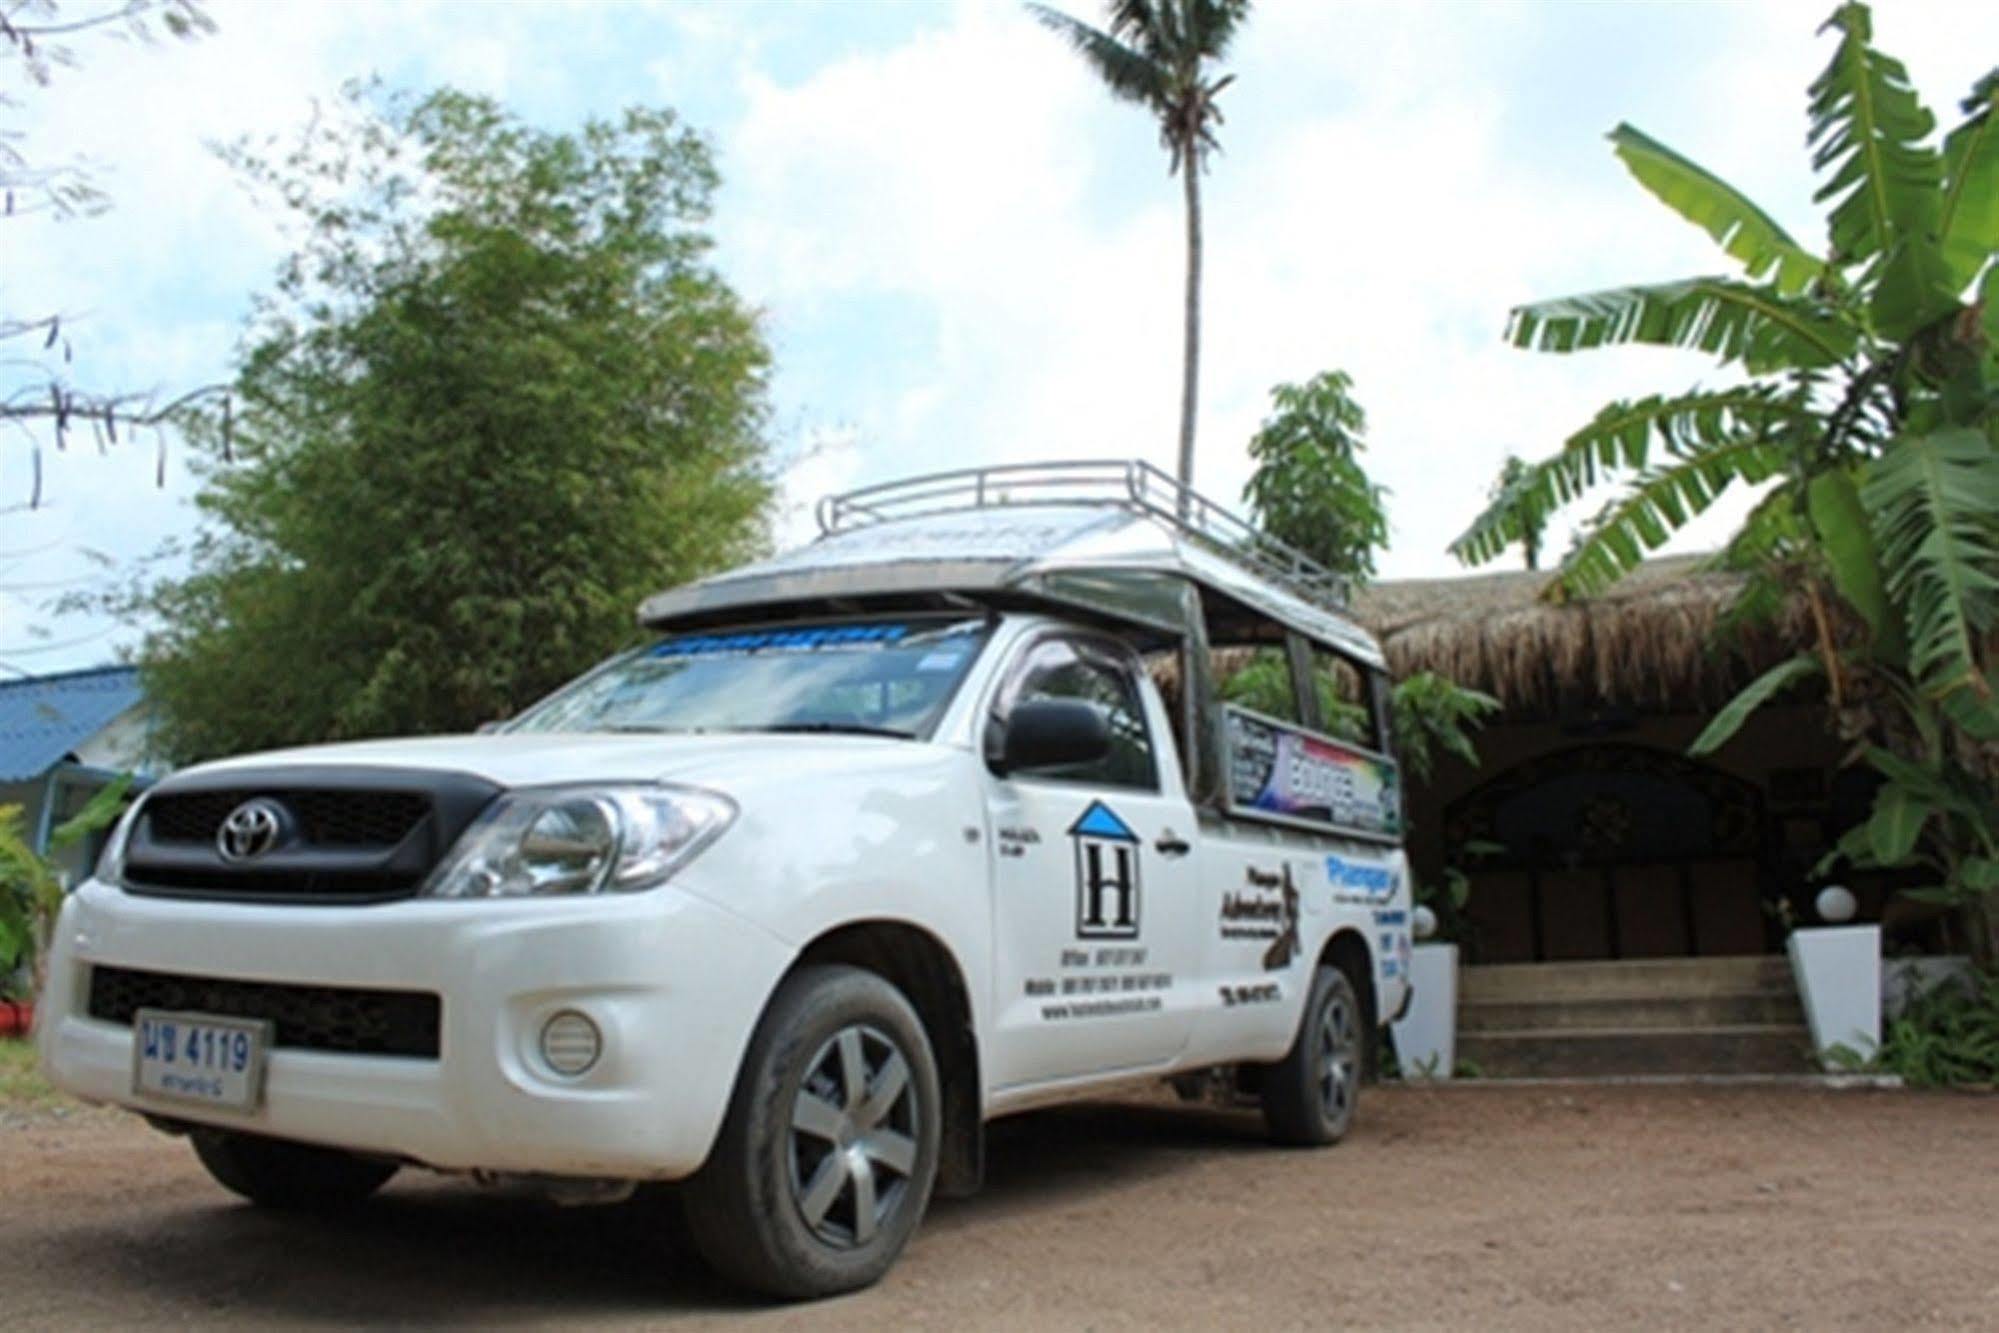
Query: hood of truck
point(726, 762)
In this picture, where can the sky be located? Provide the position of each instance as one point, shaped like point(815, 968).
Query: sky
point(964, 251)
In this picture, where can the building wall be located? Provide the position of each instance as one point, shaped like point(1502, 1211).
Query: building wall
point(125, 745)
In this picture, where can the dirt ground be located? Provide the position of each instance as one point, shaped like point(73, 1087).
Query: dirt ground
point(1521, 1207)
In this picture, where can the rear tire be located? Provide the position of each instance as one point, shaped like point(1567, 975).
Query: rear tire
point(1309, 1096)
point(826, 1162)
point(291, 1176)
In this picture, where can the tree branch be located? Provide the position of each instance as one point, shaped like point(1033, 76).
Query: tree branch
point(132, 9)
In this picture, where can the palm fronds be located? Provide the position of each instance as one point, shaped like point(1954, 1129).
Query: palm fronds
point(1734, 321)
point(1658, 503)
point(1620, 440)
point(1868, 129)
point(1968, 223)
point(1130, 74)
point(1729, 719)
point(1773, 532)
point(1745, 231)
point(1933, 498)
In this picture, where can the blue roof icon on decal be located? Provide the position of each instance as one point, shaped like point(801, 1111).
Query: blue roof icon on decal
point(1099, 821)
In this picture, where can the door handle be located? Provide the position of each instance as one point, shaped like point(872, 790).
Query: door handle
point(1170, 844)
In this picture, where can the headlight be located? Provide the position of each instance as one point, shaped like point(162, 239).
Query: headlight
point(568, 840)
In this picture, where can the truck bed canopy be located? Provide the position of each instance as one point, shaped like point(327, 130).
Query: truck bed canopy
point(1118, 541)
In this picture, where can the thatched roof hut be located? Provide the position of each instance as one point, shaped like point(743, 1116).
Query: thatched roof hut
point(1658, 639)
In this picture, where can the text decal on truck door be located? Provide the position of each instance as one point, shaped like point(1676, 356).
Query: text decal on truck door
point(1106, 875)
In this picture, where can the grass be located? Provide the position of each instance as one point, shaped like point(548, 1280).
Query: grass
point(22, 1086)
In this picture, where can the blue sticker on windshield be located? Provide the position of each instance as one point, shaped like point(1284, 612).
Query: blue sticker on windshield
point(823, 636)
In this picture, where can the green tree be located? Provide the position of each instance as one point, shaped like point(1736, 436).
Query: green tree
point(1514, 491)
point(497, 396)
point(1309, 488)
point(1159, 54)
point(1867, 395)
point(1310, 491)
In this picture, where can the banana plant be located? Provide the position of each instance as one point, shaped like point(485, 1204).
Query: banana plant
point(1934, 809)
point(1861, 380)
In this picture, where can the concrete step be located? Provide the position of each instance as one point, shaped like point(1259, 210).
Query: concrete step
point(1750, 1009)
point(1632, 979)
point(1588, 1052)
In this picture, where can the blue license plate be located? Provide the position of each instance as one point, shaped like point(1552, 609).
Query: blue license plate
point(203, 1058)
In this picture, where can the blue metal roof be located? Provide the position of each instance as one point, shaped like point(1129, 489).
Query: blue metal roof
point(43, 718)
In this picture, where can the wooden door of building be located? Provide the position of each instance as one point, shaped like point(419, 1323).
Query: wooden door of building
point(1612, 850)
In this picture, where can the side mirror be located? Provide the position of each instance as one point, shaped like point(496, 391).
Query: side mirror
point(1050, 733)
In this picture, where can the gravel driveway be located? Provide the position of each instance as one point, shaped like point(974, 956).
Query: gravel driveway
point(1451, 1207)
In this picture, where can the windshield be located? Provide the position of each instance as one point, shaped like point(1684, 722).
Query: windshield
point(891, 677)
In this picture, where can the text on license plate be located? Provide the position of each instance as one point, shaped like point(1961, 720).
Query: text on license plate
point(199, 1057)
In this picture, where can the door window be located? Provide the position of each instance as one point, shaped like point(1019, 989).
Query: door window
point(1077, 670)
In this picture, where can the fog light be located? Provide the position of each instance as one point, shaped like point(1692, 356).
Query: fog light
point(570, 1043)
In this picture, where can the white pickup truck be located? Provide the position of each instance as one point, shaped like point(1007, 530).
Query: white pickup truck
point(936, 819)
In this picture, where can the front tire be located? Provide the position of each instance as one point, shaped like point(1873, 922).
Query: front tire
point(1309, 1096)
point(292, 1176)
point(826, 1162)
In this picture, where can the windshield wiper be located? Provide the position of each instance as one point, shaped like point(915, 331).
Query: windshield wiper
point(840, 728)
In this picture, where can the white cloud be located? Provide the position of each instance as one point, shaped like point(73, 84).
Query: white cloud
point(1387, 235)
point(827, 462)
point(968, 253)
point(154, 291)
point(1378, 208)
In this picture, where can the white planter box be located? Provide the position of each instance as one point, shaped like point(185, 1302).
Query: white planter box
point(1903, 979)
point(1839, 980)
point(1426, 1038)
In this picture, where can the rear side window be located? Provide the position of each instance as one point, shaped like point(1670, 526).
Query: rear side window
point(1074, 670)
point(1346, 699)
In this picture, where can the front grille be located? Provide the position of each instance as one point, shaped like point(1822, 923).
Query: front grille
point(346, 834)
point(311, 1018)
point(326, 818)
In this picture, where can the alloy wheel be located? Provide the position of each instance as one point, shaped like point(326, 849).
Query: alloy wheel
point(1339, 1058)
point(852, 1144)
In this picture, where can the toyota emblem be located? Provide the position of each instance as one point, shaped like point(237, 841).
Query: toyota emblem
point(251, 829)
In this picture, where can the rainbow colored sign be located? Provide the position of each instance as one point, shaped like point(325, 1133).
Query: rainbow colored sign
point(1277, 769)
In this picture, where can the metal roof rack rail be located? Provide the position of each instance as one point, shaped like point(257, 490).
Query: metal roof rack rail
point(1128, 484)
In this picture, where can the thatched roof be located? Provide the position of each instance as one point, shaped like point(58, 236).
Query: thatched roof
point(1652, 640)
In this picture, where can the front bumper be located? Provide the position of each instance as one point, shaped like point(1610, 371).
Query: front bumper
point(674, 982)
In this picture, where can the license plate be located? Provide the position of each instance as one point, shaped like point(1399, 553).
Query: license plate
point(202, 1058)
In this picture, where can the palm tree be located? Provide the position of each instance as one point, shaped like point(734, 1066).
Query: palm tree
point(1157, 53)
point(1515, 494)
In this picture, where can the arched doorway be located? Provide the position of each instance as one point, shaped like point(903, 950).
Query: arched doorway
point(1612, 850)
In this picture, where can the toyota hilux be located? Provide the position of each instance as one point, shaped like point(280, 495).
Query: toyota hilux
point(940, 817)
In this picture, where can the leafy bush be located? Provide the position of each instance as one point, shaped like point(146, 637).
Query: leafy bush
point(1947, 1037)
point(1263, 683)
point(30, 885)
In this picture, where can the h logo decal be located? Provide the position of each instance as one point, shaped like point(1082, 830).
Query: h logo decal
point(1107, 883)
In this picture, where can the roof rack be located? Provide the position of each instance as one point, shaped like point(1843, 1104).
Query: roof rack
point(1128, 484)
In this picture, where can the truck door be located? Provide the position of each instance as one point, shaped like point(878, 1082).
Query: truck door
point(1093, 887)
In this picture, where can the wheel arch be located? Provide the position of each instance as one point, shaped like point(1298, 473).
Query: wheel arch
point(923, 968)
